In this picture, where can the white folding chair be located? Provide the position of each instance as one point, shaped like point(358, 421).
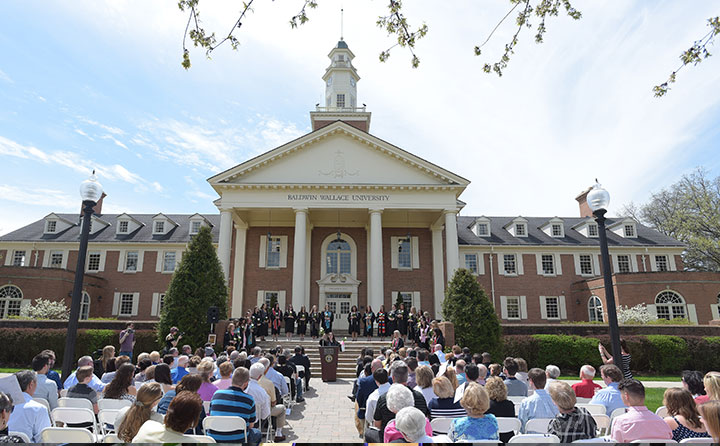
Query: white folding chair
point(654, 440)
point(516, 399)
point(595, 440)
point(106, 418)
point(535, 438)
point(22, 435)
point(287, 398)
point(617, 412)
point(206, 406)
point(693, 440)
point(603, 424)
point(537, 425)
point(582, 400)
point(509, 424)
point(67, 435)
point(662, 412)
point(594, 409)
point(222, 424)
point(112, 438)
point(110, 404)
point(301, 369)
point(200, 439)
point(44, 402)
point(74, 415)
point(75, 402)
point(441, 425)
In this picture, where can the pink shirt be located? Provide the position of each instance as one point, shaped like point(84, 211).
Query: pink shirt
point(207, 390)
point(639, 424)
point(223, 384)
point(391, 432)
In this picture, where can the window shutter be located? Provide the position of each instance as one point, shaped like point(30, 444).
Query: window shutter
point(283, 251)
point(500, 263)
point(633, 263)
point(576, 259)
point(715, 310)
point(519, 264)
point(652, 310)
point(503, 307)
point(116, 304)
point(136, 303)
point(653, 265)
point(121, 260)
point(24, 304)
point(614, 261)
point(596, 264)
point(523, 307)
point(558, 265)
point(281, 301)
point(481, 263)
point(563, 309)
point(416, 299)
point(394, 252)
point(538, 264)
point(159, 261)
point(543, 308)
point(154, 308)
point(671, 262)
point(415, 252)
point(394, 295)
point(260, 298)
point(692, 313)
point(263, 250)
point(141, 254)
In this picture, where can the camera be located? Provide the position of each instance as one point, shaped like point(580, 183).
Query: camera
point(182, 333)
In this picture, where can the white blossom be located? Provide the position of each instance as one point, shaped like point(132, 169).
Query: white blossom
point(639, 314)
point(46, 309)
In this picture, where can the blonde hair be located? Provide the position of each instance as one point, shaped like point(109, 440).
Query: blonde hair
point(712, 385)
point(562, 395)
point(495, 369)
point(155, 357)
point(206, 369)
point(150, 372)
point(442, 387)
point(475, 400)
point(496, 389)
point(424, 376)
point(107, 353)
point(450, 375)
point(226, 369)
point(711, 417)
point(140, 411)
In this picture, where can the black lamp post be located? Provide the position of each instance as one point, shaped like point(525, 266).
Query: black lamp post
point(598, 199)
point(90, 192)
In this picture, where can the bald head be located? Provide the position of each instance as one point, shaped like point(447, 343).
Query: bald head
point(375, 364)
point(256, 371)
point(85, 361)
point(265, 363)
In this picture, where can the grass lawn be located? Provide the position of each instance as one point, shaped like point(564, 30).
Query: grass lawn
point(641, 378)
point(654, 397)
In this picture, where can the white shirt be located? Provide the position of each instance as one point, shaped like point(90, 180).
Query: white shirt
point(95, 384)
point(262, 400)
point(29, 418)
point(372, 400)
point(47, 389)
point(441, 356)
point(427, 392)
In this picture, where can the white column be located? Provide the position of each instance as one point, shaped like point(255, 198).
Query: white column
point(226, 225)
point(438, 270)
point(300, 247)
point(308, 272)
point(376, 260)
point(451, 244)
point(238, 282)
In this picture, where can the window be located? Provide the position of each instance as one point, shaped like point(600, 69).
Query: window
point(338, 257)
point(670, 305)
point(407, 299)
point(169, 261)
point(10, 301)
point(592, 230)
point(273, 252)
point(629, 231)
point(513, 307)
point(85, 306)
point(56, 259)
point(509, 264)
point(552, 307)
point(159, 227)
point(19, 258)
point(404, 253)
point(161, 303)
point(557, 230)
point(123, 227)
point(51, 226)
point(131, 261)
point(126, 304)
point(586, 266)
point(341, 101)
point(270, 296)
point(520, 230)
point(482, 229)
point(344, 307)
point(471, 263)
point(661, 263)
point(548, 264)
point(623, 263)
point(595, 309)
point(195, 227)
point(93, 261)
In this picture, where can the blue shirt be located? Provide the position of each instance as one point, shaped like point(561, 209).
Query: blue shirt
point(55, 376)
point(30, 418)
point(469, 429)
point(515, 387)
point(461, 378)
point(177, 374)
point(278, 380)
point(539, 405)
point(232, 402)
point(95, 384)
point(609, 397)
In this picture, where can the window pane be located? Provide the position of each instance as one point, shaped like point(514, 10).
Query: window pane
point(519, 230)
point(592, 230)
point(332, 262)
point(557, 230)
point(548, 264)
point(94, 261)
point(19, 258)
point(513, 307)
point(123, 227)
point(131, 261)
point(471, 262)
point(404, 254)
point(624, 264)
point(345, 263)
point(51, 226)
point(195, 227)
point(661, 263)
point(407, 299)
point(341, 101)
point(273, 252)
point(629, 231)
point(482, 229)
point(269, 295)
point(586, 264)
point(552, 308)
point(509, 262)
point(344, 307)
point(161, 303)
point(85, 307)
point(169, 261)
point(159, 226)
point(56, 258)
point(126, 304)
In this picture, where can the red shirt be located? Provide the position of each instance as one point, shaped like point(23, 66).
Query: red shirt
point(585, 389)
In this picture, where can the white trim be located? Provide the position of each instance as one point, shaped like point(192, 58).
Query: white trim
point(503, 307)
point(715, 311)
point(116, 304)
point(263, 251)
point(283, 251)
point(523, 307)
point(692, 313)
point(563, 309)
point(543, 308)
point(155, 301)
point(415, 252)
point(416, 300)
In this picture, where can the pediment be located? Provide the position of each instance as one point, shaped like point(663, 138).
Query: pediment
point(338, 154)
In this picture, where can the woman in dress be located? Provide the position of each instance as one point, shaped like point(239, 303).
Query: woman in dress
point(424, 335)
point(683, 416)
point(397, 341)
point(290, 317)
point(328, 340)
point(230, 338)
point(438, 338)
point(302, 321)
point(477, 425)
point(327, 319)
point(276, 317)
point(354, 322)
point(412, 320)
point(382, 322)
point(392, 320)
point(256, 321)
point(402, 323)
point(249, 337)
point(122, 387)
point(314, 322)
point(369, 319)
point(206, 370)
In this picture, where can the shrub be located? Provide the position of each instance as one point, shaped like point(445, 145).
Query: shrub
point(668, 354)
point(467, 306)
point(673, 321)
point(566, 352)
point(46, 309)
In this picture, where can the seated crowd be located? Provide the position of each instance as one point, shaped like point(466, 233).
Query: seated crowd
point(399, 395)
point(168, 397)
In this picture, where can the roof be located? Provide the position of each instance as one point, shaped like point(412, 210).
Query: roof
point(536, 237)
point(341, 44)
point(34, 232)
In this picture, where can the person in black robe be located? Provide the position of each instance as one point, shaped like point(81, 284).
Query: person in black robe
point(392, 320)
point(230, 338)
point(369, 320)
point(328, 340)
point(290, 317)
point(327, 319)
point(276, 317)
point(302, 321)
point(264, 317)
point(381, 318)
point(314, 319)
point(354, 323)
point(412, 325)
point(401, 316)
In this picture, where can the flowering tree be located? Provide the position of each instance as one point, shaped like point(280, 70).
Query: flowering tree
point(46, 309)
point(639, 314)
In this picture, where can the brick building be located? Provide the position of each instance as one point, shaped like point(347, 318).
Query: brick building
point(341, 217)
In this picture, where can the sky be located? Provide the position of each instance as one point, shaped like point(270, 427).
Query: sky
point(96, 84)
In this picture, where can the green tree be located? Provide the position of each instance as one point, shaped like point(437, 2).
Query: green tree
point(196, 285)
point(467, 306)
point(689, 211)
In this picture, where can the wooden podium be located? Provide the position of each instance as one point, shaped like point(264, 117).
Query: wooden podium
point(329, 360)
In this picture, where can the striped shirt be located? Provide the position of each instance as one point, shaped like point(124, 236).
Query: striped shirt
point(445, 408)
point(627, 374)
point(232, 402)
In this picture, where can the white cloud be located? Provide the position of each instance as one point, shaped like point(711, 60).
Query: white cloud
point(57, 199)
point(5, 78)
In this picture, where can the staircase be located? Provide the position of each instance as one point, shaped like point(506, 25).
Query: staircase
point(346, 360)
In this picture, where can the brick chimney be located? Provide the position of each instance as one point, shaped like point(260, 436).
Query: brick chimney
point(582, 201)
point(97, 209)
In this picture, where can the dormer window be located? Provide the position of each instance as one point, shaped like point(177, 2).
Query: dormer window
point(159, 227)
point(557, 230)
point(195, 227)
point(51, 227)
point(629, 230)
point(481, 228)
point(123, 227)
point(520, 230)
point(592, 230)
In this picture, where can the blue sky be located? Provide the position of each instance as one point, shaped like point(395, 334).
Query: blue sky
point(99, 85)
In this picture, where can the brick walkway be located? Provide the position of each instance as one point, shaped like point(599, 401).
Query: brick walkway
point(326, 415)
